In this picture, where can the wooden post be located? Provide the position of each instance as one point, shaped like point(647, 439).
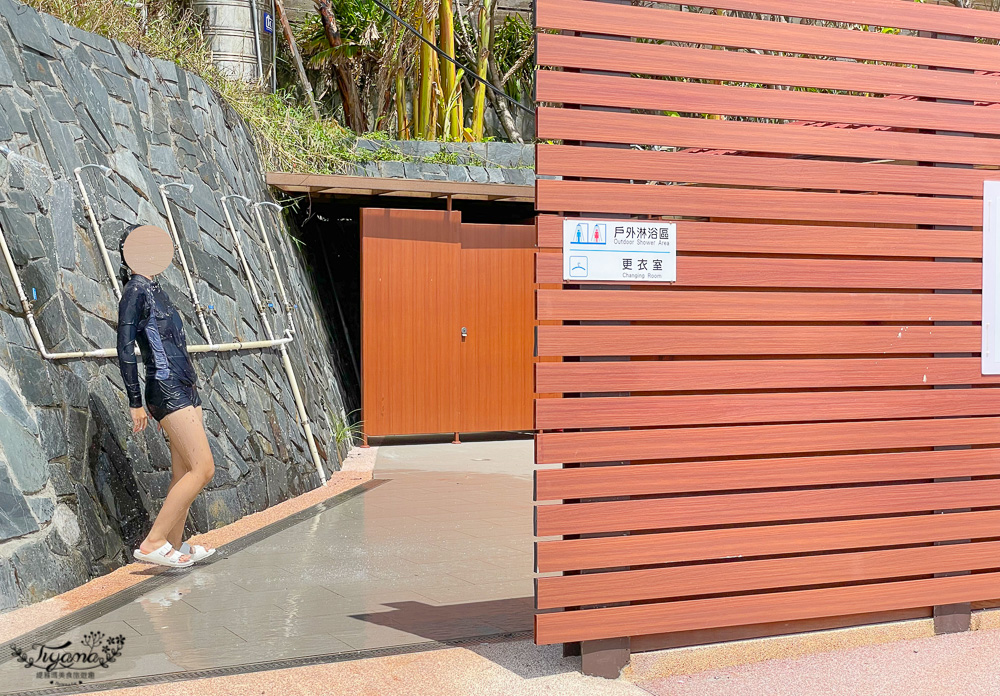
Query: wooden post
point(957, 617)
point(605, 658)
point(287, 29)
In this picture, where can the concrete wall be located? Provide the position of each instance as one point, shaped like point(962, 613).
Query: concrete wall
point(77, 490)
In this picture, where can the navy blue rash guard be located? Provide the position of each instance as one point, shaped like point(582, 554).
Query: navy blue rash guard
point(146, 316)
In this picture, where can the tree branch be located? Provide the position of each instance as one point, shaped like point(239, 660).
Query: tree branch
point(528, 51)
point(500, 106)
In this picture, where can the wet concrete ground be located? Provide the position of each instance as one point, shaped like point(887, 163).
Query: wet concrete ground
point(440, 549)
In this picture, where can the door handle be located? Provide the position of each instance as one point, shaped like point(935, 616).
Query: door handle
point(465, 333)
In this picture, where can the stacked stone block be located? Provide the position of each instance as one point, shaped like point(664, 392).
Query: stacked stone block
point(78, 490)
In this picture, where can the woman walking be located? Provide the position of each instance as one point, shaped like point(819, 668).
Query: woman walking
point(147, 317)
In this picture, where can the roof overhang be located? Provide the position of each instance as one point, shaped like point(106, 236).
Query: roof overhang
point(335, 185)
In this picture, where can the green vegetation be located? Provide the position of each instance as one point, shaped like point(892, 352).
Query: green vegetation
point(402, 86)
point(286, 135)
point(344, 430)
point(398, 95)
point(514, 48)
point(388, 154)
point(443, 157)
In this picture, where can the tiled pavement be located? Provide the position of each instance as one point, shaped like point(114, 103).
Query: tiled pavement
point(440, 550)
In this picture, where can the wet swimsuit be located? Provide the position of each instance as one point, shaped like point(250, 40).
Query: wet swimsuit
point(146, 315)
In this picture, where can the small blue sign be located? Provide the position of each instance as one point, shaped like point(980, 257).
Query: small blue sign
point(591, 234)
point(578, 266)
point(268, 23)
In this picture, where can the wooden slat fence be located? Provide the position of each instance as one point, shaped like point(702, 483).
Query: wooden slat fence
point(796, 434)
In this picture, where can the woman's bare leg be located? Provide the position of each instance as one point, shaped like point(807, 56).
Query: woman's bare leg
point(187, 436)
point(178, 467)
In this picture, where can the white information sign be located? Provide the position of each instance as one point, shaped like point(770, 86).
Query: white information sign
point(619, 250)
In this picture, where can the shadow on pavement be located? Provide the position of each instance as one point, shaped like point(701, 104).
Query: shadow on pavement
point(456, 621)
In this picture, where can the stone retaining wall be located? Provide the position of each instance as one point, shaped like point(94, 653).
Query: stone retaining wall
point(492, 162)
point(77, 489)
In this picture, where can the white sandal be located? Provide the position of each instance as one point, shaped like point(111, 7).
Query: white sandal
point(166, 555)
point(196, 552)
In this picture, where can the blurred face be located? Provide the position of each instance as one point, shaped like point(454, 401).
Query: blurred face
point(148, 250)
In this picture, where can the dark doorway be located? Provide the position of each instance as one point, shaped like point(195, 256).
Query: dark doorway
point(330, 231)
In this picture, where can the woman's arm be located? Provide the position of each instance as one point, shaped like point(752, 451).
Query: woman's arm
point(132, 310)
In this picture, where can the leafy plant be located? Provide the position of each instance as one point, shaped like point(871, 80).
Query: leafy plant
point(344, 430)
point(513, 50)
point(443, 157)
point(364, 31)
point(389, 154)
point(402, 82)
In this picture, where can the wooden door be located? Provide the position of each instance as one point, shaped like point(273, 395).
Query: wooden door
point(425, 276)
point(497, 310)
point(409, 320)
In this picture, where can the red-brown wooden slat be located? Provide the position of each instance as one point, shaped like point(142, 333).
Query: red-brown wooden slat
point(599, 197)
point(699, 271)
point(754, 340)
point(689, 581)
point(693, 305)
point(750, 136)
point(745, 474)
point(687, 167)
point(708, 375)
point(690, 27)
point(778, 471)
point(689, 443)
point(830, 240)
point(700, 63)
point(719, 409)
point(686, 97)
point(703, 545)
point(680, 639)
point(898, 15)
point(594, 624)
point(745, 508)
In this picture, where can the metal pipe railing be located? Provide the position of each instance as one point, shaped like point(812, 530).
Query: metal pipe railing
point(286, 361)
point(98, 237)
point(199, 310)
point(208, 347)
point(270, 254)
point(111, 352)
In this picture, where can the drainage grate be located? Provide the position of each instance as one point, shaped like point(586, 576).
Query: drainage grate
point(83, 616)
point(275, 664)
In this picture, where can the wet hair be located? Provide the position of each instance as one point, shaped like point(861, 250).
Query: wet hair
point(124, 272)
